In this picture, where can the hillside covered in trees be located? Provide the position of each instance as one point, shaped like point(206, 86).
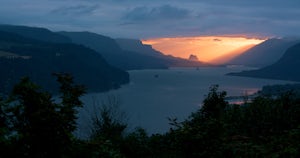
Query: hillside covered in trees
point(286, 68)
point(21, 56)
point(265, 53)
point(33, 125)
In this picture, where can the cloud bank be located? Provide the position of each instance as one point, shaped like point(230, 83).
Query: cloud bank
point(156, 18)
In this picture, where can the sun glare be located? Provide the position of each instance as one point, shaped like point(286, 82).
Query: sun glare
point(213, 49)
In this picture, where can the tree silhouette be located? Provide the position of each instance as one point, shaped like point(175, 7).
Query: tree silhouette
point(42, 127)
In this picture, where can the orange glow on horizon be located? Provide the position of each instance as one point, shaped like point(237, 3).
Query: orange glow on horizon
point(214, 49)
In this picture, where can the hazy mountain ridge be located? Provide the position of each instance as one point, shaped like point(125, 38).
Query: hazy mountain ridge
point(139, 56)
point(36, 33)
point(137, 46)
point(264, 54)
point(286, 68)
point(22, 56)
point(113, 53)
point(39, 52)
point(224, 59)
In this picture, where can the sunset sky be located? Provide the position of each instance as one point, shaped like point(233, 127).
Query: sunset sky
point(165, 20)
point(206, 48)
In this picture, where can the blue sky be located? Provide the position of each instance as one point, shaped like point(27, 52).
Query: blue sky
point(158, 18)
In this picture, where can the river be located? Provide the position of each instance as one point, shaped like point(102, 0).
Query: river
point(154, 95)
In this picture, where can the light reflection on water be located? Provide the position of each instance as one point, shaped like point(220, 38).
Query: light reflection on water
point(154, 95)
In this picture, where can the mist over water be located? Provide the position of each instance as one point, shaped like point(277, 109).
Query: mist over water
point(154, 95)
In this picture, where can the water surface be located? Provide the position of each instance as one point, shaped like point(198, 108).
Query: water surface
point(154, 95)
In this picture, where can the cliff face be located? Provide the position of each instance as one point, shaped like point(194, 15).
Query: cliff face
point(137, 46)
point(193, 58)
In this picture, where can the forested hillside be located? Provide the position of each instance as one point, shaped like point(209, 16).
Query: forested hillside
point(22, 56)
point(37, 33)
point(286, 68)
point(265, 53)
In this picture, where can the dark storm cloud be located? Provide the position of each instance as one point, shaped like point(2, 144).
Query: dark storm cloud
point(76, 10)
point(165, 12)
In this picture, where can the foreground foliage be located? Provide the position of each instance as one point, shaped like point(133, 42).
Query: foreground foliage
point(265, 127)
point(32, 124)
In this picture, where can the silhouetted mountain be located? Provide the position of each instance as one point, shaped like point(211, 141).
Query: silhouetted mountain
point(41, 34)
point(287, 68)
point(21, 56)
point(264, 54)
point(137, 46)
point(127, 54)
point(224, 59)
point(112, 52)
